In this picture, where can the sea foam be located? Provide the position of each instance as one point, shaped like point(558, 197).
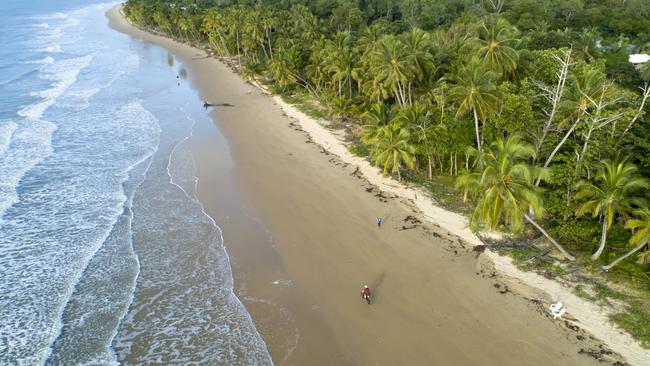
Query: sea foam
point(45, 60)
point(6, 130)
point(63, 73)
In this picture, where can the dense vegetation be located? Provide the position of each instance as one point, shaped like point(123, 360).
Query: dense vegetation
point(530, 106)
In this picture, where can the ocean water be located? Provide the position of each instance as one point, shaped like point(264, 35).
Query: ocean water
point(106, 254)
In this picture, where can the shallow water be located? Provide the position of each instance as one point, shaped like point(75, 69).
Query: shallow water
point(106, 254)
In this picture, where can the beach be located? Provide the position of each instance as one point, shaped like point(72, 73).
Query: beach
point(299, 227)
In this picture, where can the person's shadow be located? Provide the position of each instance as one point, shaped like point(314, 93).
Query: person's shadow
point(375, 284)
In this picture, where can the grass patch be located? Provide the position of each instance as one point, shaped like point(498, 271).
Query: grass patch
point(360, 150)
point(446, 195)
point(580, 291)
point(636, 320)
point(305, 103)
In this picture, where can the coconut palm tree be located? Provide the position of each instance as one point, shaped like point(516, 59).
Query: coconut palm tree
point(475, 90)
point(418, 44)
point(235, 23)
point(213, 25)
point(393, 66)
point(585, 46)
point(268, 23)
point(280, 69)
point(505, 188)
point(392, 149)
point(341, 61)
point(497, 45)
point(377, 117)
point(641, 237)
point(612, 196)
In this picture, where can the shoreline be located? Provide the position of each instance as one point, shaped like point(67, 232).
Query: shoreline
point(589, 316)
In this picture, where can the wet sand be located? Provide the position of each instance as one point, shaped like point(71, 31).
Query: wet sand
point(302, 239)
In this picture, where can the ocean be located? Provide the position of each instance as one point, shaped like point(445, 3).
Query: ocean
point(107, 256)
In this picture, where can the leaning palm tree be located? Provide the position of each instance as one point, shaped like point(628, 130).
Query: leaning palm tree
point(641, 238)
point(393, 148)
point(613, 196)
point(505, 188)
point(475, 91)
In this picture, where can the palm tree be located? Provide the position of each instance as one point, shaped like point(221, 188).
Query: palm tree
point(586, 47)
point(640, 238)
point(497, 42)
point(212, 26)
point(505, 187)
point(475, 91)
point(393, 66)
point(280, 69)
point(377, 117)
point(418, 118)
point(612, 196)
point(392, 149)
point(418, 43)
point(268, 23)
point(341, 61)
point(235, 23)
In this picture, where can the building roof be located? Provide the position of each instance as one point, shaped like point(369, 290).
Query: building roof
point(639, 58)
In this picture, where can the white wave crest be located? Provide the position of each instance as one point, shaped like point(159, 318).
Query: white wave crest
point(45, 60)
point(41, 25)
point(64, 73)
point(52, 48)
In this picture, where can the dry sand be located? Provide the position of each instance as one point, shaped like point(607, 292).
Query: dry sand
point(436, 302)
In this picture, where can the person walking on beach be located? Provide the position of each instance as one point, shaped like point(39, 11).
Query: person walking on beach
point(379, 223)
point(365, 293)
point(178, 80)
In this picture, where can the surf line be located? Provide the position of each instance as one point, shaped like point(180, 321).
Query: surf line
point(196, 200)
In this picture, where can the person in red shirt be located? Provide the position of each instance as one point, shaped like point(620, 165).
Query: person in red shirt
point(365, 294)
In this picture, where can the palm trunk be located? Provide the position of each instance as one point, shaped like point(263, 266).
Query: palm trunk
point(430, 168)
point(603, 240)
point(558, 246)
point(478, 136)
point(264, 49)
point(399, 176)
point(270, 47)
point(609, 266)
point(238, 48)
point(350, 87)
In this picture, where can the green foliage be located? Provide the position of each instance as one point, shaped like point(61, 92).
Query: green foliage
point(504, 185)
point(422, 82)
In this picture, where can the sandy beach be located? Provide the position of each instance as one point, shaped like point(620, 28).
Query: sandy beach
point(302, 240)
